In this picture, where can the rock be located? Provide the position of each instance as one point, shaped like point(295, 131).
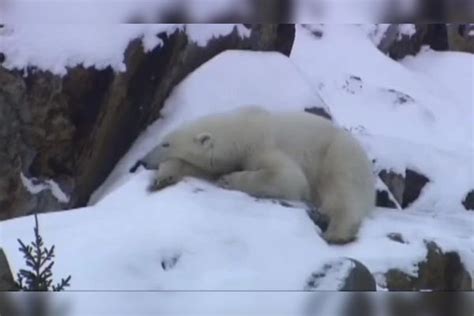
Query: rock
point(414, 183)
point(395, 183)
point(397, 237)
point(317, 30)
point(319, 219)
point(383, 199)
point(343, 274)
point(319, 111)
point(438, 272)
point(74, 129)
point(285, 38)
point(438, 36)
point(7, 282)
point(169, 262)
point(273, 37)
point(405, 190)
point(399, 98)
point(468, 201)
point(461, 37)
point(398, 45)
point(434, 303)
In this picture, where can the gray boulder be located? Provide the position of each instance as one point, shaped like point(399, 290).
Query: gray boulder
point(343, 274)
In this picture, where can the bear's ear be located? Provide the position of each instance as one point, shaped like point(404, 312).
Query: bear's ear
point(204, 139)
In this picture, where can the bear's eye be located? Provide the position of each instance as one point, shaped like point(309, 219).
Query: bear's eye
point(165, 145)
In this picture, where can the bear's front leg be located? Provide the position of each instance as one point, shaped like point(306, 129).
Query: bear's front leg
point(245, 181)
point(275, 176)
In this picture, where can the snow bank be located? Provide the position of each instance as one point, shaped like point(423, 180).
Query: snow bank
point(364, 87)
point(55, 48)
point(214, 239)
point(406, 30)
point(201, 33)
point(52, 48)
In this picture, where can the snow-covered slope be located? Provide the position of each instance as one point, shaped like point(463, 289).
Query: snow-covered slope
point(415, 114)
point(195, 236)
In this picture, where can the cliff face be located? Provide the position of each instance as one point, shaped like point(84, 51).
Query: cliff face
point(70, 131)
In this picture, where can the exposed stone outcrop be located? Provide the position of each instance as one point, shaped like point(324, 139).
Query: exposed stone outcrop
point(404, 189)
point(7, 282)
point(398, 45)
point(395, 183)
point(343, 274)
point(440, 271)
point(468, 201)
point(461, 37)
point(319, 111)
point(438, 36)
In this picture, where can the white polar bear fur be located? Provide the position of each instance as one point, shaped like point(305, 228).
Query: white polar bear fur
point(173, 170)
point(292, 155)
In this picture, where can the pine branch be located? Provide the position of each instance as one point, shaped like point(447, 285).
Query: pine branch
point(39, 260)
point(64, 283)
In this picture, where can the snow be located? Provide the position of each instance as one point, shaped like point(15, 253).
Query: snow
point(332, 275)
point(416, 113)
point(451, 74)
point(35, 188)
point(201, 33)
point(359, 93)
point(376, 32)
point(51, 48)
point(406, 30)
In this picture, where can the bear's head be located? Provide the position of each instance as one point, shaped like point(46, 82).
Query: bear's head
point(179, 145)
point(174, 170)
point(195, 144)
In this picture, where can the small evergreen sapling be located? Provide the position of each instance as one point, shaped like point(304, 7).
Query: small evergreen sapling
point(39, 260)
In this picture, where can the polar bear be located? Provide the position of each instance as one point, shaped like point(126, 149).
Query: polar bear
point(280, 155)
